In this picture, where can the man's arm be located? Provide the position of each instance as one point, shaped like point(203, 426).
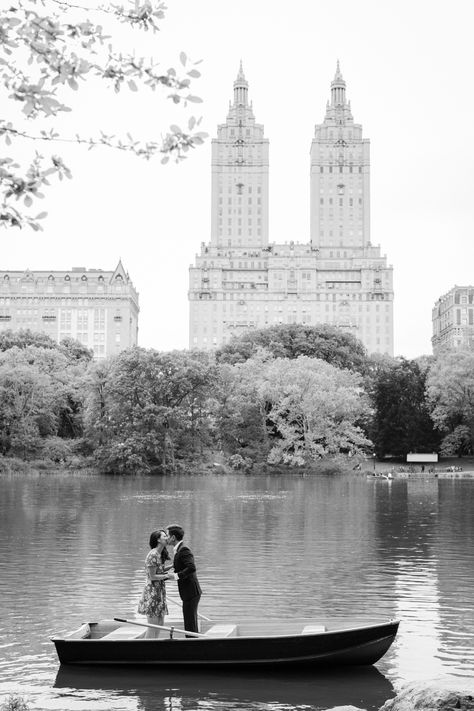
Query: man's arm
point(187, 561)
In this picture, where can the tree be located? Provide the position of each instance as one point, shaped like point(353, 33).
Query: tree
point(74, 350)
point(241, 417)
point(41, 393)
point(450, 392)
point(401, 421)
point(290, 341)
point(23, 338)
point(315, 408)
point(150, 409)
point(292, 411)
point(51, 47)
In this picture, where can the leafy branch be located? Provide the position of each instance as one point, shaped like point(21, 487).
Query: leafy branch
point(62, 52)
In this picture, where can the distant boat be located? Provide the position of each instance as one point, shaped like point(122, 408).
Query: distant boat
point(387, 476)
point(250, 643)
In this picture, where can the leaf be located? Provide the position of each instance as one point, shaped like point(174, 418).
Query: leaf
point(194, 73)
point(132, 86)
point(191, 123)
point(73, 83)
point(165, 159)
point(41, 216)
point(28, 201)
point(183, 58)
point(194, 99)
point(175, 129)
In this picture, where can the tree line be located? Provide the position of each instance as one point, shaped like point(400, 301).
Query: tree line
point(288, 394)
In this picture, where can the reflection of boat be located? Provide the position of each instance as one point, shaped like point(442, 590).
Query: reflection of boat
point(365, 687)
point(248, 643)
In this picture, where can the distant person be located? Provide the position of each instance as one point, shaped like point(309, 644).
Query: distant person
point(185, 573)
point(153, 600)
point(422, 467)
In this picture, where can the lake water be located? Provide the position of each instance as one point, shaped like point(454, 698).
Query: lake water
point(72, 548)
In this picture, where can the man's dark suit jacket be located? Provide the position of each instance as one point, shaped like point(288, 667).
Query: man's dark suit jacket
point(185, 568)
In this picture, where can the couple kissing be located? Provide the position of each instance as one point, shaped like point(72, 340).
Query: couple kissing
point(158, 568)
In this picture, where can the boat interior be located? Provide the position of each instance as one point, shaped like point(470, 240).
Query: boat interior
point(111, 630)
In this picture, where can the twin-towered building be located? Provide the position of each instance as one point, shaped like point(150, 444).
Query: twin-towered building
point(241, 280)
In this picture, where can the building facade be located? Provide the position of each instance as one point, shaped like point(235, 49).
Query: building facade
point(98, 308)
point(453, 319)
point(241, 281)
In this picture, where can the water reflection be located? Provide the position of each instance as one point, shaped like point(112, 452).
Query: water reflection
point(72, 548)
point(168, 689)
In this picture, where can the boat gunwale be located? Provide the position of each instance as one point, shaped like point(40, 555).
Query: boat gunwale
point(164, 638)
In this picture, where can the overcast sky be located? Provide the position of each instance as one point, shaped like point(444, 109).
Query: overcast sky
point(408, 66)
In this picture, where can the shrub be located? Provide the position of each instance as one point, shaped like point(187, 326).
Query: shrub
point(14, 703)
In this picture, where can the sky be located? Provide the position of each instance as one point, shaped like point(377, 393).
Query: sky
point(408, 67)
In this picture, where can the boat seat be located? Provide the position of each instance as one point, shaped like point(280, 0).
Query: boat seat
point(222, 630)
point(313, 629)
point(83, 632)
point(125, 632)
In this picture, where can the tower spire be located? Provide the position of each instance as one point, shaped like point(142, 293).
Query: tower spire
point(338, 88)
point(241, 88)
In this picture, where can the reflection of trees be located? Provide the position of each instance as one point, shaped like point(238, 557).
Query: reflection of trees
point(190, 689)
point(404, 523)
point(454, 546)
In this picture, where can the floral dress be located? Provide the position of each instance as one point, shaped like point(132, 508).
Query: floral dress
point(153, 600)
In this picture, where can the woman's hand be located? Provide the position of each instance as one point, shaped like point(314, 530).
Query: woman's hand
point(161, 576)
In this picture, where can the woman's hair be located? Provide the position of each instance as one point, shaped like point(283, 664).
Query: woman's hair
point(155, 539)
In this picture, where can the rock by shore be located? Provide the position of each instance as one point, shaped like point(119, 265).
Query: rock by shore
point(436, 695)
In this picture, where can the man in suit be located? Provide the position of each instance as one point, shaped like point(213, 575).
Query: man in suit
point(185, 573)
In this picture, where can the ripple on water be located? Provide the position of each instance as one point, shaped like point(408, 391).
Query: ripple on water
point(72, 551)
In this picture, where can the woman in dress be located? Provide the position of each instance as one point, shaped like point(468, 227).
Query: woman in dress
point(153, 600)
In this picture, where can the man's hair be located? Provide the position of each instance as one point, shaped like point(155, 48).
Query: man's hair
point(176, 531)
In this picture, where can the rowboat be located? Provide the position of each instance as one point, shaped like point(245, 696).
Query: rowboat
point(246, 643)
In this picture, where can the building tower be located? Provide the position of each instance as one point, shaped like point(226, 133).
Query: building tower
point(241, 281)
point(340, 176)
point(239, 209)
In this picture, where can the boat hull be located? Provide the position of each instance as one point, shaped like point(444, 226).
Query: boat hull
point(347, 647)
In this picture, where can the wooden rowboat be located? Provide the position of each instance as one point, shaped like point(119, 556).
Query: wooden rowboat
point(249, 643)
